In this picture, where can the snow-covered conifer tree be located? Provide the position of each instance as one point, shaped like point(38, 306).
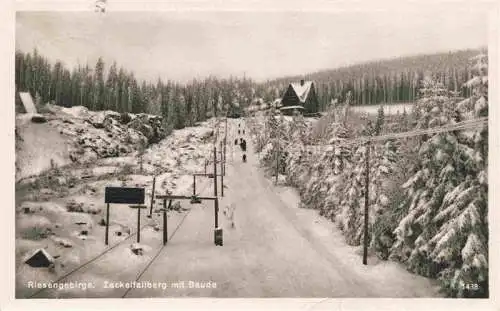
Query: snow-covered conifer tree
point(444, 231)
point(380, 120)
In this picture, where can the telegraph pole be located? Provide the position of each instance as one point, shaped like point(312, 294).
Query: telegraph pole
point(215, 171)
point(222, 171)
point(367, 180)
point(216, 206)
point(277, 155)
point(225, 144)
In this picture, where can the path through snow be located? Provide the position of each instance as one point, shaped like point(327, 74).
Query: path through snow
point(275, 250)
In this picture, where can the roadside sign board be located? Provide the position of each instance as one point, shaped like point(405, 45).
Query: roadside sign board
point(124, 195)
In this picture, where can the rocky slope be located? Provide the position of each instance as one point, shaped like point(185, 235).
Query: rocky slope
point(77, 135)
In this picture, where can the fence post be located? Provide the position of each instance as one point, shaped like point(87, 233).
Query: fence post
point(194, 185)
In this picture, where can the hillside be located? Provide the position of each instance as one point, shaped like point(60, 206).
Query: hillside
point(77, 135)
point(420, 199)
point(65, 165)
point(382, 81)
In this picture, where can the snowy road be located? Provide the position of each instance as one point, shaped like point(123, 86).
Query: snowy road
point(273, 251)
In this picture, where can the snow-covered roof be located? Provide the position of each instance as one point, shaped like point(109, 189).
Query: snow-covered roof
point(302, 90)
point(277, 102)
point(27, 101)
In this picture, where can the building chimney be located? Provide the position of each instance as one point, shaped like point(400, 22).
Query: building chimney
point(302, 82)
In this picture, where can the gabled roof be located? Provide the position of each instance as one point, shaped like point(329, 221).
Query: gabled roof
point(302, 91)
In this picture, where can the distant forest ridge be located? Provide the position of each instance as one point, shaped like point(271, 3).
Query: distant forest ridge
point(389, 80)
point(116, 88)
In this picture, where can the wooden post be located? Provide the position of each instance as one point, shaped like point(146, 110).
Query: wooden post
point(277, 156)
point(138, 224)
point(225, 144)
point(221, 172)
point(165, 221)
point(221, 157)
point(194, 185)
point(367, 181)
point(222, 179)
point(215, 171)
point(218, 238)
point(106, 237)
point(206, 162)
point(152, 197)
point(216, 205)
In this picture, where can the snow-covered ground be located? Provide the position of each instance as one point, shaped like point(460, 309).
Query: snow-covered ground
point(274, 248)
point(389, 109)
point(35, 148)
point(53, 209)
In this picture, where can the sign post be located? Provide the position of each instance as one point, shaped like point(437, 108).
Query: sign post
point(139, 224)
point(121, 195)
point(107, 225)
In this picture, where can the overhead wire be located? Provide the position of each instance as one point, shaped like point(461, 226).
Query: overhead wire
point(464, 125)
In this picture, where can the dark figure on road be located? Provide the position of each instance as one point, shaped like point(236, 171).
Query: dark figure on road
point(239, 125)
point(243, 132)
point(243, 145)
point(236, 141)
point(238, 132)
point(241, 141)
point(244, 158)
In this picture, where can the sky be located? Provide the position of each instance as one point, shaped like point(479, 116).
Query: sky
point(258, 44)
